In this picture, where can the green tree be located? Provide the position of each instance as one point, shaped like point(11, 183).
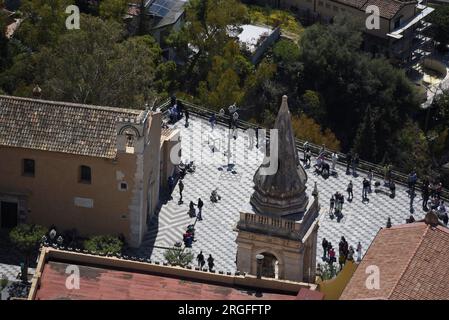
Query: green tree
point(113, 9)
point(104, 244)
point(310, 103)
point(439, 28)
point(224, 85)
point(411, 149)
point(27, 237)
point(4, 55)
point(204, 35)
point(365, 140)
point(178, 256)
point(349, 81)
point(95, 65)
point(263, 93)
point(286, 51)
point(44, 22)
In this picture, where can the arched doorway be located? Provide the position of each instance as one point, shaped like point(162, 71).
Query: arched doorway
point(270, 266)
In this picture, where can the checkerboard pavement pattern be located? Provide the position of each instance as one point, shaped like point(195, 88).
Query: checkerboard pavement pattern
point(215, 233)
point(11, 271)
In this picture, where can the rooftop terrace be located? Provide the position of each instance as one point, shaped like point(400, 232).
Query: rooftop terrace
point(215, 233)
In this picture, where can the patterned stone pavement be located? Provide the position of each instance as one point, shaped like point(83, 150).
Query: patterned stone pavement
point(11, 271)
point(215, 234)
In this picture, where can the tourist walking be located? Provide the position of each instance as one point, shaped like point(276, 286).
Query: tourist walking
point(355, 163)
point(308, 157)
point(212, 121)
point(412, 198)
point(348, 162)
point(200, 205)
point(387, 174)
point(334, 160)
point(305, 147)
point(425, 194)
point(350, 254)
point(200, 259)
point(359, 252)
point(324, 243)
point(341, 260)
point(349, 190)
point(392, 189)
point(181, 188)
point(210, 262)
point(411, 181)
point(332, 205)
point(200, 212)
point(331, 256)
point(370, 177)
point(365, 187)
point(187, 114)
point(192, 212)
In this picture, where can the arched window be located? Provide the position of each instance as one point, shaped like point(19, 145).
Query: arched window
point(85, 174)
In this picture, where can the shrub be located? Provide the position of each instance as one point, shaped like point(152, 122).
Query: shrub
point(104, 244)
point(178, 256)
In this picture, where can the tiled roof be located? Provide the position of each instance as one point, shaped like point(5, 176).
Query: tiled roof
point(97, 283)
point(60, 126)
point(387, 8)
point(413, 262)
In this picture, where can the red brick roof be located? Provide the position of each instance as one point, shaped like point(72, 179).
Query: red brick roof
point(387, 8)
point(98, 283)
point(60, 126)
point(413, 262)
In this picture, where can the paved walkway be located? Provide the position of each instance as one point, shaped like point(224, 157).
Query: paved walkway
point(215, 234)
point(11, 271)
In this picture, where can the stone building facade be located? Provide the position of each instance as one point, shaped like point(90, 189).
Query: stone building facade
point(90, 168)
point(281, 222)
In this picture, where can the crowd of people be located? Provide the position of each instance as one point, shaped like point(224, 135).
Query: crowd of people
point(431, 191)
point(346, 252)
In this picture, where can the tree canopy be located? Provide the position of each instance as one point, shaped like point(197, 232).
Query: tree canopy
point(26, 237)
point(113, 9)
point(44, 22)
point(439, 28)
point(99, 67)
point(350, 83)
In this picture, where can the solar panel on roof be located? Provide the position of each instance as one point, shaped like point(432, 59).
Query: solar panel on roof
point(163, 12)
point(162, 7)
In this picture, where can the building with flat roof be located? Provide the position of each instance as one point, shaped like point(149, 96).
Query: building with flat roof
point(402, 22)
point(159, 19)
point(73, 166)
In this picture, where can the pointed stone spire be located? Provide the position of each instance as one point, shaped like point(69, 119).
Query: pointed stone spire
point(283, 192)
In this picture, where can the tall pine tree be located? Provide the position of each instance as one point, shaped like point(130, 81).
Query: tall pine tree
point(365, 140)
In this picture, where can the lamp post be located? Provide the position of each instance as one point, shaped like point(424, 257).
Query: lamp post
point(233, 117)
point(259, 259)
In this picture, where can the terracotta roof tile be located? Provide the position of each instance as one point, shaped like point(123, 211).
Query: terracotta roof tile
point(413, 261)
point(101, 283)
point(387, 8)
point(60, 126)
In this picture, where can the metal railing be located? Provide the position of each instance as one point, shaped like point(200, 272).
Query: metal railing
point(364, 166)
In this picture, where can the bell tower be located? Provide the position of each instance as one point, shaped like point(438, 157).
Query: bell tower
point(280, 222)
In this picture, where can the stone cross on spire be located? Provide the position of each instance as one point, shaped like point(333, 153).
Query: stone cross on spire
point(284, 192)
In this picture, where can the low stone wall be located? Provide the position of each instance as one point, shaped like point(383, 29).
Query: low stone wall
point(47, 253)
